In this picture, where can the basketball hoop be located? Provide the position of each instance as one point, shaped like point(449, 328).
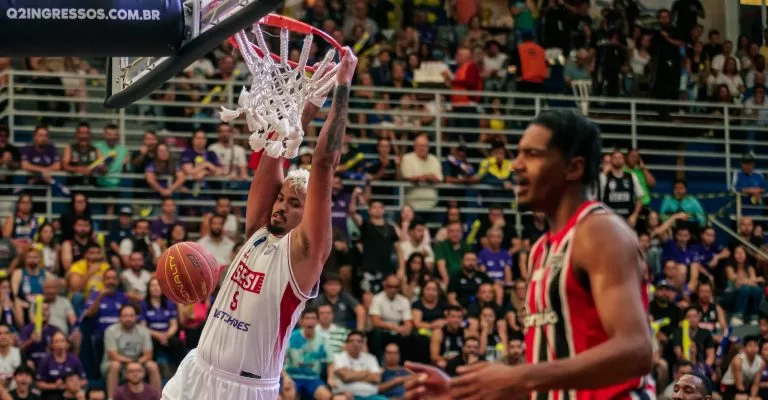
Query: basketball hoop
point(281, 88)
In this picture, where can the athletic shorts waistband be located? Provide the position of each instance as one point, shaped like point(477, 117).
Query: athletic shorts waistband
point(253, 382)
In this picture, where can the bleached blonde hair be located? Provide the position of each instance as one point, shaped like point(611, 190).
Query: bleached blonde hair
point(298, 179)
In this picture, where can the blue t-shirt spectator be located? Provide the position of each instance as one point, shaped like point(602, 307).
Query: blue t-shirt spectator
point(742, 180)
point(37, 351)
point(49, 370)
point(109, 309)
point(705, 254)
point(495, 262)
point(390, 374)
point(677, 254)
point(158, 319)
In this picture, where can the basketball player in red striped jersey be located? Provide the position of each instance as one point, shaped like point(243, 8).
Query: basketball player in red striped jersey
point(586, 326)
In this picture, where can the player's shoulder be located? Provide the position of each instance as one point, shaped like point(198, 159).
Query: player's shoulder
point(600, 229)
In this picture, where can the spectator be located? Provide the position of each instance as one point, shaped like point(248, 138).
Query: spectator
point(139, 241)
point(347, 311)
point(647, 181)
point(48, 246)
point(378, 238)
point(219, 245)
point(127, 342)
point(176, 234)
point(496, 262)
point(664, 308)
point(78, 158)
point(335, 335)
point(729, 77)
point(683, 367)
point(578, 68)
point(484, 298)
point(116, 157)
point(62, 314)
point(515, 351)
point(746, 233)
point(10, 356)
point(386, 167)
point(305, 357)
point(54, 368)
point(40, 158)
point(341, 198)
point(359, 17)
point(87, 274)
point(393, 375)
point(466, 283)
point(470, 354)
point(744, 283)
point(701, 340)
point(355, 371)
point(24, 378)
point(10, 157)
point(34, 344)
point(223, 209)
point(134, 388)
point(73, 250)
point(168, 216)
point(135, 278)
point(230, 155)
point(452, 214)
point(119, 232)
point(749, 182)
point(450, 252)
point(414, 244)
point(428, 312)
point(719, 60)
point(104, 305)
point(466, 78)
point(495, 219)
point(493, 333)
point(456, 167)
point(391, 317)
point(742, 375)
point(497, 169)
point(416, 274)
point(681, 201)
point(163, 174)
point(197, 163)
point(709, 253)
point(621, 191)
point(95, 394)
point(666, 52)
point(160, 316)
point(447, 341)
point(679, 250)
point(712, 315)
point(421, 168)
point(146, 154)
point(530, 65)
point(23, 225)
point(27, 282)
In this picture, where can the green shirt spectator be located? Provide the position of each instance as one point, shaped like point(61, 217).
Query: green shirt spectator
point(636, 167)
point(305, 356)
point(681, 201)
point(449, 252)
point(116, 155)
point(521, 12)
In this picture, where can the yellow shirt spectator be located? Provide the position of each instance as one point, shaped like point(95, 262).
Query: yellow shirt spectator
point(491, 165)
point(92, 277)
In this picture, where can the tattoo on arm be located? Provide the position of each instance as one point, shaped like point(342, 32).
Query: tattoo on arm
point(339, 122)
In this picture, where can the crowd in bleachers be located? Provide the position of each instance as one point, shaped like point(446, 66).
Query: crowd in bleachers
point(393, 289)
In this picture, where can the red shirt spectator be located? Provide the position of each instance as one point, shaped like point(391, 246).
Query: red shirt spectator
point(467, 77)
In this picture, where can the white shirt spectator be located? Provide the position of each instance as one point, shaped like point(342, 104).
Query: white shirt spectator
point(61, 310)
point(718, 62)
point(493, 64)
point(407, 248)
point(733, 83)
point(395, 311)
point(126, 248)
point(221, 249)
point(365, 362)
point(421, 197)
point(136, 283)
point(232, 157)
point(8, 363)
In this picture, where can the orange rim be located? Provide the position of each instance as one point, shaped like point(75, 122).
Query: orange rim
point(279, 21)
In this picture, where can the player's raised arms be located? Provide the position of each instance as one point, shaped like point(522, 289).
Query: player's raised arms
point(311, 240)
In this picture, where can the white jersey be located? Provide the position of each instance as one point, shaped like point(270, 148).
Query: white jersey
point(255, 311)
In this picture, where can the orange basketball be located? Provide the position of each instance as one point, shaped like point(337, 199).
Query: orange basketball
point(187, 273)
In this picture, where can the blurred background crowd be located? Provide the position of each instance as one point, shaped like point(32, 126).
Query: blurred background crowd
point(430, 253)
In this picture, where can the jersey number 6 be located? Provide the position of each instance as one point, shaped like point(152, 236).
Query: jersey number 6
point(233, 304)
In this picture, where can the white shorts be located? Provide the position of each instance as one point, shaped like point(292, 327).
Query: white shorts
point(196, 380)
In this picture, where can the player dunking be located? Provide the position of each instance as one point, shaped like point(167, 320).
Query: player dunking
point(288, 222)
point(587, 333)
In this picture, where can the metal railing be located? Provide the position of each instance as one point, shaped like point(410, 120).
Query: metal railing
point(701, 140)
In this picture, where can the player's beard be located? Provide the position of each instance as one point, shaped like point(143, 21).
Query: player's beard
point(274, 229)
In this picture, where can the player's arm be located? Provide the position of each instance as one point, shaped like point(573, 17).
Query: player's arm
point(614, 274)
point(311, 241)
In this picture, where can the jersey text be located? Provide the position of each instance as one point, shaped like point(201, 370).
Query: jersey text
point(246, 279)
point(230, 320)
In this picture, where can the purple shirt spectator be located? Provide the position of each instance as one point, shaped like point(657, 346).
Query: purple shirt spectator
point(189, 156)
point(109, 309)
point(681, 256)
point(44, 157)
point(160, 229)
point(124, 393)
point(339, 211)
point(705, 254)
point(161, 176)
point(158, 319)
point(49, 370)
point(37, 350)
point(494, 262)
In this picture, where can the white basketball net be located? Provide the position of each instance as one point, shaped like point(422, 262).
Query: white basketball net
point(278, 93)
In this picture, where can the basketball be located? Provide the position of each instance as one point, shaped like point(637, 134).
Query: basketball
point(187, 273)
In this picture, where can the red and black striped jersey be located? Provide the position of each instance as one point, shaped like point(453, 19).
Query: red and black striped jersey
point(561, 318)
